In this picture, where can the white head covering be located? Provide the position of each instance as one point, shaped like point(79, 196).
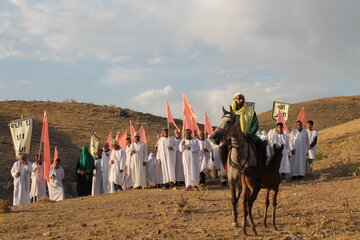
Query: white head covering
point(264, 136)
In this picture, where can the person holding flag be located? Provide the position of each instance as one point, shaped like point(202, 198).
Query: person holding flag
point(97, 176)
point(105, 168)
point(56, 188)
point(38, 182)
point(138, 160)
point(21, 171)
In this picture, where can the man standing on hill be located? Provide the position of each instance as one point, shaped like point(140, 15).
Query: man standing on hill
point(56, 188)
point(84, 170)
point(179, 167)
point(313, 135)
point(128, 179)
point(299, 145)
point(167, 155)
point(138, 160)
point(117, 166)
point(190, 156)
point(105, 168)
point(21, 171)
point(38, 182)
point(204, 155)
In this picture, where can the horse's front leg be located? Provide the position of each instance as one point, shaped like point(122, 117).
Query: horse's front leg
point(267, 203)
point(234, 201)
point(245, 200)
point(274, 203)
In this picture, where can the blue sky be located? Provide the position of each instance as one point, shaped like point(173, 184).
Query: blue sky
point(138, 54)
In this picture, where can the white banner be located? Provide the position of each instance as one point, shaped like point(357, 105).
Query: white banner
point(94, 144)
point(284, 109)
point(21, 132)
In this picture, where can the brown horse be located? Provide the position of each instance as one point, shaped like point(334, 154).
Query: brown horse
point(242, 158)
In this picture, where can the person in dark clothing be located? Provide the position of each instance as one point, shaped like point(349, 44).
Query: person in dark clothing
point(84, 169)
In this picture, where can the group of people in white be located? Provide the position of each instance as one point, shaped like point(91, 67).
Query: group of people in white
point(299, 148)
point(30, 182)
point(178, 161)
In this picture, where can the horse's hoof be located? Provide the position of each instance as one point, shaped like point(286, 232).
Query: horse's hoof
point(254, 230)
point(235, 225)
point(265, 225)
point(244, 232)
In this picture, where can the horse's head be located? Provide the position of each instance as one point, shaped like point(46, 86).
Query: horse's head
point(227, 126)
point(278, 154)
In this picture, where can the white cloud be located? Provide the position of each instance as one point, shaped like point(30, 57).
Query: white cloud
point(154, 97)
point(24, 82)
point(123, 75)
point(158, 60)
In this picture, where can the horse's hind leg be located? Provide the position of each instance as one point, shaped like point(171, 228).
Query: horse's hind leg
point(274, 203)
point(267, 203)
point(245, 200)
point(253, 195)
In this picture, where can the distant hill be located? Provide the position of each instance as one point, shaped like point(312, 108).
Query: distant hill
point(70, 126)
point(325, 112)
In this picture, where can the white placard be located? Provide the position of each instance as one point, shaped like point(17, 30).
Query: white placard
point(21, 133)
point(284, 109)
point(94, 144)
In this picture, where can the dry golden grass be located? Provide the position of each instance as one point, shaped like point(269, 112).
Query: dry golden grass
point(5, 206)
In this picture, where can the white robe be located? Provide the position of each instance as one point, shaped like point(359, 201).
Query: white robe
point(128, 178)
point(191, 161)
point(312, 134)
point(119, 158)
point(105, 169)
point(282, 139)
point(167, 159)
point(38, 182)
point(299, 141)
point(216, 157)
point(204, 156)
point(97, 178)
point(137, 169)
point(21, 183)
point(55, 186)
point(179, 166)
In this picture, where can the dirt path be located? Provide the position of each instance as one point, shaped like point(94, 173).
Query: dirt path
point(306, 210)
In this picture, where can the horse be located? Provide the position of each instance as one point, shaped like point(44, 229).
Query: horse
point(240, 159)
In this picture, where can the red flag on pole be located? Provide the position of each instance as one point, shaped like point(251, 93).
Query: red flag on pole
point(302, 116)
point(208, 126)
point(143, 134)
point(132, 130)
point(46, 141)
point(109, 139)
point(280, 118)
point(170, 118)
point(190, 118)
point(122, 140)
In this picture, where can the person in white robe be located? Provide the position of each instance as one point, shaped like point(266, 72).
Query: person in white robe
point(117, 166)
point(150, 168)
point(21, 171)
point(105, 169)
point(190, 155)
point(281, 138)
point(313, 136)
point(97, 177)
point(138, 160)
point(157, 174)
point(265, 139)
point(204, 155)
point(128, 179)
point(38, 182)
point(179, 167)
point(299, 145)
point(55, 186)
point(167, 155)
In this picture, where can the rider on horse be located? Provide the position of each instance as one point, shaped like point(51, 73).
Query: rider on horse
point(249, 125)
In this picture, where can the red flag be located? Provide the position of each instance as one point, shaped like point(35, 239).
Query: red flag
point(46, 141)
point(170, 118)
point(109, 139)
point(117, 135)
point(190, 118)
point(122, 140)
point(302, 116)
point(56, 154)
point(132, 130)
point(208, 126)
point(142, 134)
point(280, 118)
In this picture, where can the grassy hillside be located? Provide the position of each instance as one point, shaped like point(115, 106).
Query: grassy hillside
point(325, 112)
point(70, 126)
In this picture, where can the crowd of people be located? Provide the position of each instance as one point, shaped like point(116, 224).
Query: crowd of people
point(177, 161)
